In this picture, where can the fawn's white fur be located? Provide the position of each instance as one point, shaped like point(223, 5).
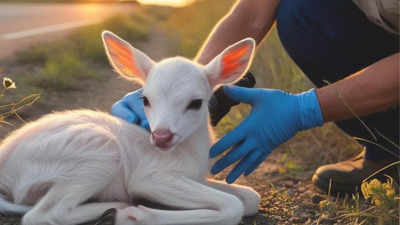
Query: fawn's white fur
point(69, 167)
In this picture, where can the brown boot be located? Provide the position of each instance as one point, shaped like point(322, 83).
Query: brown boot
point(348, 175)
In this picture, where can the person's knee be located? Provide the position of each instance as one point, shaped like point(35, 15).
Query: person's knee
point(288, 13)
point(290, 19)
point(293, 13)
point(301, 29)
point(293, 28)
point(289, 7)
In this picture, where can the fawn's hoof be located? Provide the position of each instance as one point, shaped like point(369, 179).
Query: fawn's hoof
point(133, 216)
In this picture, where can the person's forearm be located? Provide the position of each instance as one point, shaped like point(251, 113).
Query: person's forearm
point(248, 18)
point(373, 89)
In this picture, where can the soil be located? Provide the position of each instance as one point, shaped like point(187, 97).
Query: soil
point(286, 198)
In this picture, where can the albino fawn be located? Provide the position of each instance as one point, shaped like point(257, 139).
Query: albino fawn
point(69, 167)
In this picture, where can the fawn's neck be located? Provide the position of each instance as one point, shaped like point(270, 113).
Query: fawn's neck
point(198, 146)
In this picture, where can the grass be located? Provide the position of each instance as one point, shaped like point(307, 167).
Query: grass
point(62, 73)
point(378, 204)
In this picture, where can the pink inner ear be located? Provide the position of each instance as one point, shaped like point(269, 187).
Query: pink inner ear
point(122, 57)
point(231, 60)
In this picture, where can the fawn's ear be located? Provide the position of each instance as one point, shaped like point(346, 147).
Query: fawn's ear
point(231, 64)
point(128, 61)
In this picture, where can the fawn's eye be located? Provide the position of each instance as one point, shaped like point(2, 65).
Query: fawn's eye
point(145, 101)
point(194, 104)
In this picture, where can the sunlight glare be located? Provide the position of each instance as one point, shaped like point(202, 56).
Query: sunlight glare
point(90, 8)
point(174, 3)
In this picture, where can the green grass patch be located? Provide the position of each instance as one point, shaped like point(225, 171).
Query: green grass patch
point(62, 73)
point(35, 55)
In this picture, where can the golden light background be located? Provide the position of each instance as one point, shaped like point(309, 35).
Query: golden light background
point(174, 3)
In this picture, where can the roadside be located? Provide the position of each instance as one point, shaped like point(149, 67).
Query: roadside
point(27, 23)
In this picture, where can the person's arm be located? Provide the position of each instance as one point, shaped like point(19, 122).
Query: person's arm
point(247, 18)
point(373, 89)
point(276, 116)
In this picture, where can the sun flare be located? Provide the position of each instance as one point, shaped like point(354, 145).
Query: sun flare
point(174, 3)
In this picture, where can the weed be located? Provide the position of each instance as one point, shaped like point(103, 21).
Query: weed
point(13, 108)
point(378, 205)
point(384, 201)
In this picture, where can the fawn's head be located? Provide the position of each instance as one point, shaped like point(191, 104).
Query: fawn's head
point(176, 90)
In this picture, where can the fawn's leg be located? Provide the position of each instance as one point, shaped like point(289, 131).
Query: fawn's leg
point(249, 197)
point(201, 204)
point(64, 203)
point(61, 206)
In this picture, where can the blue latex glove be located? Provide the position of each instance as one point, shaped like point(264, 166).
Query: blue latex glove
point(130, 108)
point(275, 117)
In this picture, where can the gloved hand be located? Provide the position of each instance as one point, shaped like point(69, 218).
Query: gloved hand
point(275, 117)
point(130, 108)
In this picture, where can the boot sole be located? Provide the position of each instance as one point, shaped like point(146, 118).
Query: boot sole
point(336, 188)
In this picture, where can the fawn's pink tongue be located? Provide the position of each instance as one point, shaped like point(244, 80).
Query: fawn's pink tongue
point(162, 138)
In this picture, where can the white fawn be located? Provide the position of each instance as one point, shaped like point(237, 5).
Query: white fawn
point(67, 168)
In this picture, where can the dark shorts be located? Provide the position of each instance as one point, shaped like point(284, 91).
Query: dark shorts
point(331, 39)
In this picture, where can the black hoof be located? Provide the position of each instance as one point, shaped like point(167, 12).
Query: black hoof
point(109, 213)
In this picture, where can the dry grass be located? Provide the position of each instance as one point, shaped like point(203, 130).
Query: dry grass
point(377, 204)
point(14, 107)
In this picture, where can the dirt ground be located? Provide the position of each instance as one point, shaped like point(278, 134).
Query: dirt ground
point(287, 198)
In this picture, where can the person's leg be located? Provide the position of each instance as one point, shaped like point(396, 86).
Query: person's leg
point(330, 40)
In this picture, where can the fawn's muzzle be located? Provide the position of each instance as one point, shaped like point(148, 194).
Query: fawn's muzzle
point(162, 138)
